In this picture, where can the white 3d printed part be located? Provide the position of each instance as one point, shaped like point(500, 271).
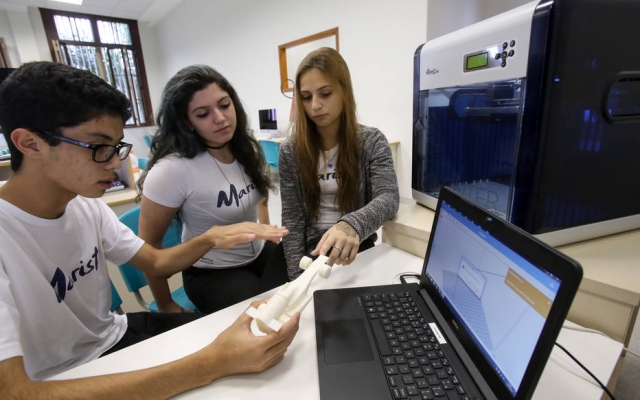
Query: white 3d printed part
point(291, 298)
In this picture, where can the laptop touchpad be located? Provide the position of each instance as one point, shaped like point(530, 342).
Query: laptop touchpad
point(345, 341)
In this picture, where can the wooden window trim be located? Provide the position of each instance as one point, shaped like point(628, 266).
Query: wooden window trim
point(282, 54)
point(136, 44)
point(5, 60)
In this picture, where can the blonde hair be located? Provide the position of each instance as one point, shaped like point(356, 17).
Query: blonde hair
point(307, 141)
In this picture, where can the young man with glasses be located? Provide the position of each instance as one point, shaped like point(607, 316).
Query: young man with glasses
point(64, 128)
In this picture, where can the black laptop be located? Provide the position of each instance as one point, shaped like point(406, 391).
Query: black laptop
point(480, 325)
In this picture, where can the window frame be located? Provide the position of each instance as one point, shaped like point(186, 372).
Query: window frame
point(5, 60)
point(53, 41)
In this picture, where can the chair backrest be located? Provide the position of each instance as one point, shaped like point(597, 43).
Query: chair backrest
point(271, 151)
point(133, 277)
point(147, 140)
point(142, 163)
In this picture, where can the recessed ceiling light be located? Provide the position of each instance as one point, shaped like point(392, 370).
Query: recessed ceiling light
point(78, 2)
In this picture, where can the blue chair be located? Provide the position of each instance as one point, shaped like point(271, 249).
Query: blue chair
point(135, 279)
point(147, 140)
point(116, 300)
point(142, 163)
point(271, 151)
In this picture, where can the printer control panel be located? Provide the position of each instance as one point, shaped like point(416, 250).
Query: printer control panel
point(490, 57)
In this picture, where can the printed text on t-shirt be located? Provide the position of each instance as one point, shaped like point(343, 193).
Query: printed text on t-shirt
point(61, 285)
point(233, 195)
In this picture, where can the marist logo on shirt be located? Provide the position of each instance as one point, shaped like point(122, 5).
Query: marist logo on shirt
point(328, 176)
point(234, 196)
point(62, 284)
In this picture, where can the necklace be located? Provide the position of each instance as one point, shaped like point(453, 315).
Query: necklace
point(216, 147)
point(246, 218)
point(330, 160)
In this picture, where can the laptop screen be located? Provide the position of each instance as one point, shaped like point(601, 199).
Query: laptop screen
point(502, 299)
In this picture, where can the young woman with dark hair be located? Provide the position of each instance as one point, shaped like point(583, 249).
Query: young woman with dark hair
point(207, 168)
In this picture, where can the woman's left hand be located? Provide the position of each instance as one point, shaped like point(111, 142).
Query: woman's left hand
point(342, 240)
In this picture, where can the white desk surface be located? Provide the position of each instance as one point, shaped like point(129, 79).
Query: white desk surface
point(296, 377)
point(613, 260)
point(277, 139)
point(120, 197)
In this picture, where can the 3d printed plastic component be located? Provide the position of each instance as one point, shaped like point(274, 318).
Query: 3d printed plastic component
point(291, 298)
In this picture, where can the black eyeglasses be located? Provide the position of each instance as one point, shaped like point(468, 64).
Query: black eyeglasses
point(101, 153)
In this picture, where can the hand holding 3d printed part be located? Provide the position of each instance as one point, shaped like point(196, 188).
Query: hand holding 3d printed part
point(291, 298)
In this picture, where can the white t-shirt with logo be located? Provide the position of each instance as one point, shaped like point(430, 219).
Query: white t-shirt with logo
point(55, 292)
point(327, 175)
point(209, 193)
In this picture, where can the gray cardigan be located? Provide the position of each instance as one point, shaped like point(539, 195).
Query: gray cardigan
point(379, 198)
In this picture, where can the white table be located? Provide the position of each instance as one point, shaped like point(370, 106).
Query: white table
point(296, 377)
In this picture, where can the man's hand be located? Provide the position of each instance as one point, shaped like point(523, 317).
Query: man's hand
point(238, 351)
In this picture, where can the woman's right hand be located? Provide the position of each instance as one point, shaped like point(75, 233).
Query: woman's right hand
point(340, 243)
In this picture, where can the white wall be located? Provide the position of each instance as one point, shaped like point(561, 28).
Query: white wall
point(23, 34)
point(489, 8)
point(156, 77)
point(240, 38)
point(446, 16)
point(39, 34)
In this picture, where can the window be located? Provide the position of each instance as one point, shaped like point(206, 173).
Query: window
point(108, 47)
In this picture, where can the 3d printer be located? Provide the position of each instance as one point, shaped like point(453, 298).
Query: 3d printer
point(535, 114)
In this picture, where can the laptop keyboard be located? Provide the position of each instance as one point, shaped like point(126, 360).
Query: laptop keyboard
point(413, 362)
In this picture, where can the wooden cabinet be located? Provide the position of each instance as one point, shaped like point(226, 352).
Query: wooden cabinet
point(5, 170)
point(123, 200)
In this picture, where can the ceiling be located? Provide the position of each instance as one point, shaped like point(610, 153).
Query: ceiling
point(148, 11)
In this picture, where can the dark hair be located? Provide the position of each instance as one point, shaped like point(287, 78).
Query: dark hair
point(174, 137)
point(46, 96)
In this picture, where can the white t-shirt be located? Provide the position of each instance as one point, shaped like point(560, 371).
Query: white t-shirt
point(55, 292)
point(329, 208)
point(208, 195)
